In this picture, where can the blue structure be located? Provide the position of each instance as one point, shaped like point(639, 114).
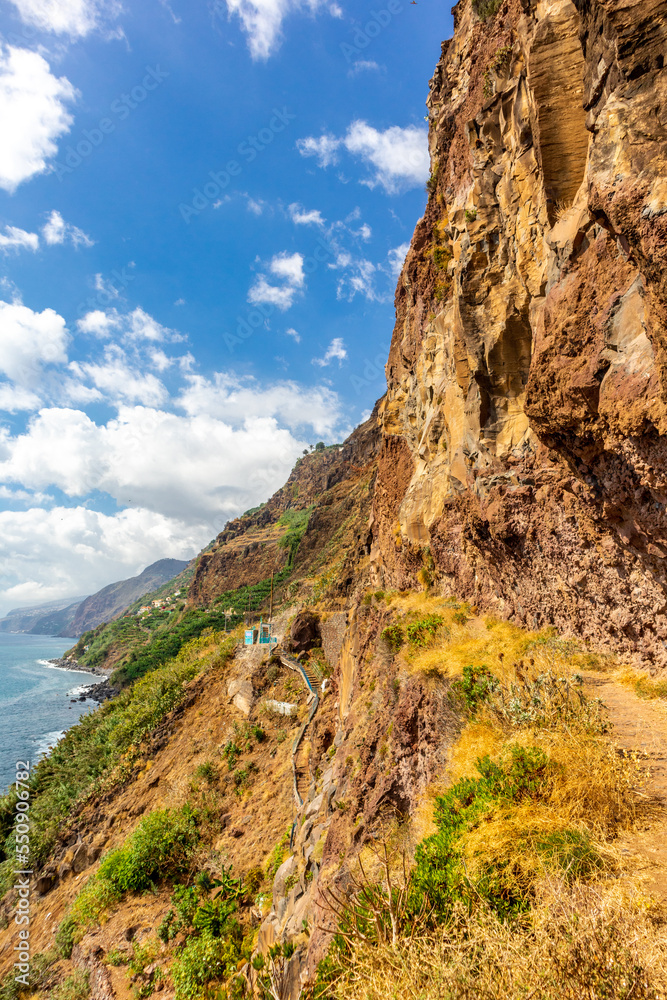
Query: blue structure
point(260, 636)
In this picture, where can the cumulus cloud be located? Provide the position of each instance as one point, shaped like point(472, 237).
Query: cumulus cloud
point(57, 230)
point(233, 447)
point(398, 156)
point(14, 398)
point(284, 265)
point(50, 554)
point(119, 381)
point(335, 351)
point(133, 327)
point(99, 323)
point(34, 114)
point(291, 332)
point(262, 20)
point(325, 148)
point(29, 341)
point(226, 396)
point(302, 217)
point(76, 18)
point(14, 238)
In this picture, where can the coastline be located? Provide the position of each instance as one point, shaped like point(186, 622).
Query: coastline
point(100, 692)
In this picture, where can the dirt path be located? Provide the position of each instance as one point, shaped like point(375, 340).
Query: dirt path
point(641, 725)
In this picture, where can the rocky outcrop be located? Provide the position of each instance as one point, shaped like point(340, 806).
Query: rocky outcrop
point(523, 453)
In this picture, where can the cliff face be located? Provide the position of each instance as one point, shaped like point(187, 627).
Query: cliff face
point(523, 452)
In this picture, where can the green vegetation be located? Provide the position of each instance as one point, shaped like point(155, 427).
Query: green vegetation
point(486, 8)
point(160, 850)
point(279, 854)
point(440, 879)
point(102, 748)
point(296, 522)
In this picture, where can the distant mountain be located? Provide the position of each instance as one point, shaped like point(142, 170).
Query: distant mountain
point(112, 601)
point(42, 619)
point(73, 616)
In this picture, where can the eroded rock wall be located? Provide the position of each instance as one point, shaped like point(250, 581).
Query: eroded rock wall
point(523, 453)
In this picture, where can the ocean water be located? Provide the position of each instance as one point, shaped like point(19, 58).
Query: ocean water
point(35, 709)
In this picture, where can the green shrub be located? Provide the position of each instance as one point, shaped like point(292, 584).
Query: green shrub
point(570, 853)
point(421, 632)
point(75, 987)
point(394, 637)
point(64, 941)
point(159, 849)
point(486, 8)
point(203, 960)
point(279, 854)
point(476, 686)
point(207, 771)
point(439, 878)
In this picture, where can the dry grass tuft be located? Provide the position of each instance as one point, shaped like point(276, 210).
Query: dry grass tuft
point(643, 685)
point(584, 945)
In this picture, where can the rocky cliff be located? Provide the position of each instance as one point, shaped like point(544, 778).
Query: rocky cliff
point(523, 449)
point(513, 470)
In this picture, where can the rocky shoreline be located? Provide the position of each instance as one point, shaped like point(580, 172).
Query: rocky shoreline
point(100, 692)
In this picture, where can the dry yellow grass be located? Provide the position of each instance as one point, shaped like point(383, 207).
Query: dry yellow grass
point(642, 684)
point(577, 945)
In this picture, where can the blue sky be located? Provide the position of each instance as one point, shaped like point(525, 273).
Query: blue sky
point(203, 211)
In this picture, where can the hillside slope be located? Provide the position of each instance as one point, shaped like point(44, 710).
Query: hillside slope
point(113, 600)
point(44, 619)
point(418, 791)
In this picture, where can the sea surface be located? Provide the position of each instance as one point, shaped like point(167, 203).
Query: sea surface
point(35, 699)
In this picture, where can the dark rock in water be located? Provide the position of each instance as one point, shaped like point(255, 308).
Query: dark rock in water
point(103, 691)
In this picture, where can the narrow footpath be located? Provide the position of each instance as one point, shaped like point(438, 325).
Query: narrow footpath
point(640, 725)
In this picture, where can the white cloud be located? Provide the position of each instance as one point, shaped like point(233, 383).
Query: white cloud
point(105, 287)
point(118, 381)
point(335, 351)
point(325, 149)
point(51, 554)
point(226, 396)
point(15, 398)
point(57, 230)
point(235, 445)
point(291, 332)
point(99, 323)
point(144, 327)
point(29, 340)
point(14, 238)
point(76, 18)
point(362, 65)
point(256, 207)
point(302, 217)
point(33, 113)
point(136, 326)
point(399, 156)
point(397, 258)
point(287, 266)
point(262, 20)
point(263, 293)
